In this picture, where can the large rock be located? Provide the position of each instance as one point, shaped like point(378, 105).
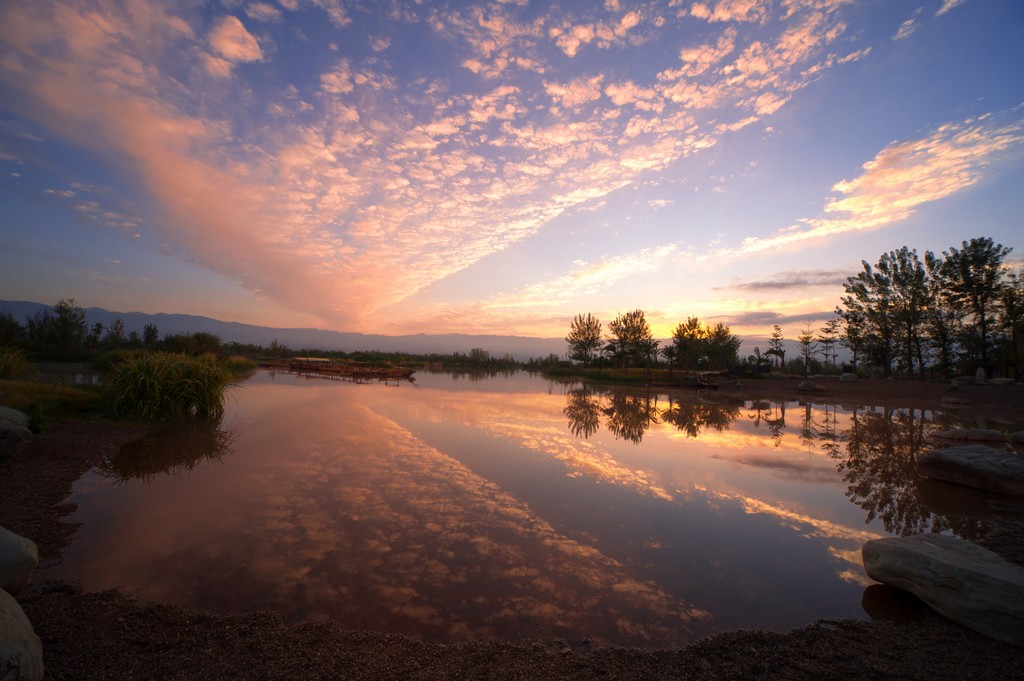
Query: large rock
point(21, 651)
point(976, 466)
point(18, 418)
point(979, 377)
point(18, 560)
point(847, 377)
point(962, 581)
point(971, 435)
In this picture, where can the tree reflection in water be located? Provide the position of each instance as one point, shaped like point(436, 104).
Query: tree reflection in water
point(692, 416)
point(583, 412)
point(629, 415)
point(876, 455)
point(880, 466)
point(173, 448)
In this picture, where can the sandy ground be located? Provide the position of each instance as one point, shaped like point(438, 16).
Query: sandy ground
point(111, 635)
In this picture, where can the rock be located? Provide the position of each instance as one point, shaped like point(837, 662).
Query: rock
point(963, 380)
point(964, 582)
point(978, 466)
point(14, 416)
point(847, 377)
point(955, 401)
point(970, 435)
point(18, 560)
point(808, 387)
point(979, 377)
point(1001, 381)
point(21, 651)
point(1017, 437)
point(14, 430)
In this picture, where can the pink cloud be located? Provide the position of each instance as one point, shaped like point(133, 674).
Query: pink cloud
point(230, 40)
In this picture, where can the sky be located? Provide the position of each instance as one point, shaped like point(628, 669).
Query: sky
point(498, 167)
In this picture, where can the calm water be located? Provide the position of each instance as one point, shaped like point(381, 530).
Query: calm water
point(511, 507)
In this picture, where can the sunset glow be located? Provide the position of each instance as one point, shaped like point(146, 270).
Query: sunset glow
point(498, 167)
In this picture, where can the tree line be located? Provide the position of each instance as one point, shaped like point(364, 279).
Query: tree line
point(940, 315)
point(630, 343)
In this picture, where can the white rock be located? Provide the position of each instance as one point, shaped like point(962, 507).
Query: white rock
point(979, 377)
point(977, 466)
point(14, 416)
point(847, 377)
point(962, 581)
point(18, 560)
point(1001, 381)
point(21, 651)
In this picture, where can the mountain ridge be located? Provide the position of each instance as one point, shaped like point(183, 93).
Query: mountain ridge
point(519, 347)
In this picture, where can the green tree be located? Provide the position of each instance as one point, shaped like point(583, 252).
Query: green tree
point(942, 319)
point(973, 278)
point(777, 346)
point(807, 347)
point(584, 338)
point(869, 297)
point(115, 337)
point(827, 340)
point(689, 340)
point(10, 329)
point(631, 340)
point(150, 335)
point(1012, 320)
point(906, 280)
point(722, 347)
point(68, 328)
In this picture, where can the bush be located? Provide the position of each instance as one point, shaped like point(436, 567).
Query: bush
point(14, 364)
point(162, 386)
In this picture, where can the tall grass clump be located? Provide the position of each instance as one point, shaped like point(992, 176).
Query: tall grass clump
point(14, 364)
point(162, 386)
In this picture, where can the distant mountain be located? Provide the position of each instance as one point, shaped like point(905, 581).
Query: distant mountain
point(520, 347)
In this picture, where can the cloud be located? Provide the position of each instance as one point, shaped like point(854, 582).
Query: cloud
point(909, 26)
point(230, 40)
point(263, 11)
point(947, 5)
point(797, 279)
point(904, 176)
point(576, 92)
point(731, 10)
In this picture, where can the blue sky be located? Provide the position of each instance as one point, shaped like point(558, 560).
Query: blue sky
point(498, 167)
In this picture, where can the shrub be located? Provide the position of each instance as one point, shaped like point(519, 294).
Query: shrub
point(14, 364)
point(162, 386)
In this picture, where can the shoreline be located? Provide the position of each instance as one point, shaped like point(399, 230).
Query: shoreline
point(112, 635)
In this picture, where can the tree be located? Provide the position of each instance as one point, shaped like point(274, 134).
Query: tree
point(1012, 320)
point(852, 337)
point(827, 340)
point(722, 347)
point(973, 278)
point(115, 334)
point(942, 320)
point(68, 328)
point(10, 329)
point(776, 346)
point(807, 347)
point(584, 338)
point(631, 341)
point(689, 340)
point(906, 281)
point(150, 335)
point(869, 296)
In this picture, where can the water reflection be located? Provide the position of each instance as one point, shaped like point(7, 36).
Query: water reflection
point(629, 415)
point(173, 448)
point(467, 509)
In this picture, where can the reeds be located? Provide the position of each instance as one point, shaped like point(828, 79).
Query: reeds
point(161, 386)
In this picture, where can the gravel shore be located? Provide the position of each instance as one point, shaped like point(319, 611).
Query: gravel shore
point(111, 635)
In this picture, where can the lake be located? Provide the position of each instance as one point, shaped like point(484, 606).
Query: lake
point(512, 507)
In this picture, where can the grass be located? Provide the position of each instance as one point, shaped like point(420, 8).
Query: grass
point(14, 364)
point(161, 387)
point(30, 397)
